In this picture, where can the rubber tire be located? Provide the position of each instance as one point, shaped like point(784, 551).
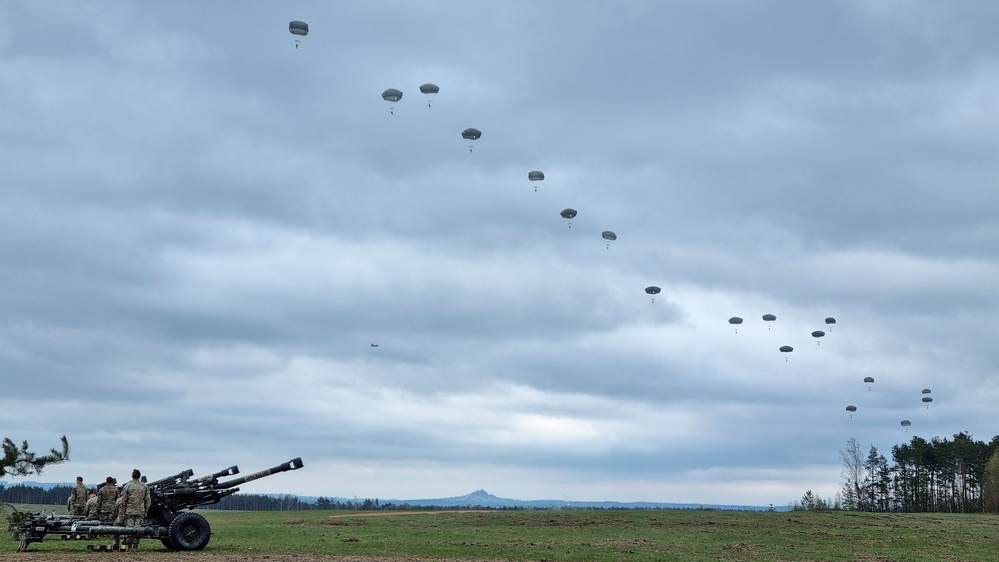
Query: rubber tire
point(189, 531)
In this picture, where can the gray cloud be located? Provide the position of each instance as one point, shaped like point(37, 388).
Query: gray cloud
point(205, 229)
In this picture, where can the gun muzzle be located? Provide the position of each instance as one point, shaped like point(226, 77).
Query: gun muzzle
point(293, 464)
point(231, 471)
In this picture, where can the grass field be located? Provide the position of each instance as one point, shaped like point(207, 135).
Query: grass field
point(591, 536)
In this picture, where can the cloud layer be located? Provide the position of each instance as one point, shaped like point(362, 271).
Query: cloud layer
point(205, 229)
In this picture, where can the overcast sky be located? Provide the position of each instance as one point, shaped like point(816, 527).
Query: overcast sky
point(204, 229)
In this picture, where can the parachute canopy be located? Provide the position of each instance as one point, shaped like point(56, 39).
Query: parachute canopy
point(652, 290)
point(906, 423)
point(851, 408)
point(568, 213)
point(471, 134)
point(536, 176)
point(927, 399)
point(608, 235)
point(868, 379)
point(429, 90)
point(298, 27)
point(769, 317)
point(818, 334)
point(735, 320)
point(786, 349)
point(392, 95)
point(830, 320)
point(926, 391)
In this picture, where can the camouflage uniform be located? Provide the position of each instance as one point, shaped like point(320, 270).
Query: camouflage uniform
point(136, 502)
point(119, 509)
point(78, 498)
point(106, 497)
point(91, 511)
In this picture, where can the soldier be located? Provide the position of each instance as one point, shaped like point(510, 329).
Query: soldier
point(106, 496)
point(135, 504)
point(119, 509)
point(91, 512)
point(78, 498)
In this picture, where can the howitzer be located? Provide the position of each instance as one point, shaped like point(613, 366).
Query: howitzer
point(169, 517)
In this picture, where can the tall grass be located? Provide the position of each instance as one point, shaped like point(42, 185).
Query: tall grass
point(596, 535)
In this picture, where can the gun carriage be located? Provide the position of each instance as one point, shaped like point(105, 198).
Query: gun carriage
point(169, 518)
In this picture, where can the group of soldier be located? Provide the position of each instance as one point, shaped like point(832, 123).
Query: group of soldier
point(125, 506)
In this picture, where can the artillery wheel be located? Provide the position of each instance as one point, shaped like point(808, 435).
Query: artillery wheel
point(189, 531)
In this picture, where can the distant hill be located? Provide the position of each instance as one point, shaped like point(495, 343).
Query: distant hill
point(42, 485)
point(482, 498)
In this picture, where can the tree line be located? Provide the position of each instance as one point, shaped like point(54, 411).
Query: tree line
point(56, 496)
point(958, 475)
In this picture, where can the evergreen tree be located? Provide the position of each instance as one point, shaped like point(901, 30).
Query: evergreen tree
point(19, 461)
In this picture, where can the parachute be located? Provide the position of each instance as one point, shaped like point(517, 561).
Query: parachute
point(769, 318)
point(869, 381)
point(735, 321)
point(471, 134)
point(927, 400)
point(653, 290)
point(785, 349)
point(298, 28)
point(926, 391)
point(428, 90)
point(536, 176)
point(392, 95)
point(568, 214)
point(609, 236)
point(851, 408)
point(829, 322)
point(818, 334)
point(906, 423)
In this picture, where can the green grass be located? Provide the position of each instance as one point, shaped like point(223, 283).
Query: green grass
point(594, 536)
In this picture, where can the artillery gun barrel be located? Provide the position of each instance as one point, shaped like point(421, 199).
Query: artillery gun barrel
point(231, 471)
point(179, 477)
point(293, 464)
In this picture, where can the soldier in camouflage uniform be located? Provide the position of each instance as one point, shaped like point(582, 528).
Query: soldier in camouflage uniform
point(136, 505)
point(119, 509)
point(91, 511)
point(78, 498)
point(106, 496)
